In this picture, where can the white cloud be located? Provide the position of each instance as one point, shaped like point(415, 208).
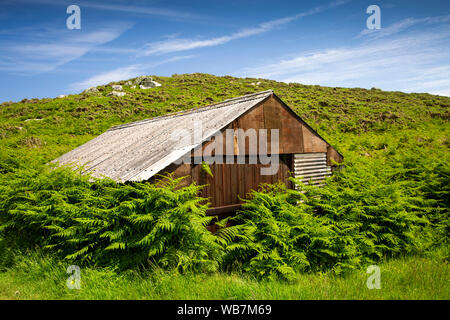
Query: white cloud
point(123, 73)
point(416, 63)
point(147, 10)
point(445, 93)
point(46, 50)
point(106, 77)
point(401, 26)
point(175, 45)
point(141, 10)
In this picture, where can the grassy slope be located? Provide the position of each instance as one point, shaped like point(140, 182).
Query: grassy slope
point(71, 121)
point(368, 126)
point(38, 277)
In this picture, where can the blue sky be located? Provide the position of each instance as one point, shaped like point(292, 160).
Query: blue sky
point(310, 42)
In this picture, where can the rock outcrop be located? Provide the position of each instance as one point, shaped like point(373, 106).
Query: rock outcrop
point(116, 93)
point(146, 82)
point(91, 90)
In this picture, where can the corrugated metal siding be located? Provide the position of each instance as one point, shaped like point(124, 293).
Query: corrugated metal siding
point(311, 167)
point(136, 151)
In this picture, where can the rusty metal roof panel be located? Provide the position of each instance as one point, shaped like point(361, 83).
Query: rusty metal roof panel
point(136, 151)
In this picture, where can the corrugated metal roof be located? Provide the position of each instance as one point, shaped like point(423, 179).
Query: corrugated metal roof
point(136, 151)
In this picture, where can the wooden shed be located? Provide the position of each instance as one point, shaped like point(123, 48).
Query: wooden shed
point(140, 150)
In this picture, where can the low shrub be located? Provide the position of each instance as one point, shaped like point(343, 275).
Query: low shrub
point(103, 223)
point(278, 236)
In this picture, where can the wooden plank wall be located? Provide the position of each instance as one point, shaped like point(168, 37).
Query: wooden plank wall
point(272, 115)
point(231, 181)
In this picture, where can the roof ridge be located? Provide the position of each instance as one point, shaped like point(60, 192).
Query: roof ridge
point(224, 103)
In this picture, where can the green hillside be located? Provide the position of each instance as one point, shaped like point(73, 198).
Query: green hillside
point(65, 123)
point(391, 200)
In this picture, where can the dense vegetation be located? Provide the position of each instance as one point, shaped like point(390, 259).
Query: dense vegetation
point(391, 199)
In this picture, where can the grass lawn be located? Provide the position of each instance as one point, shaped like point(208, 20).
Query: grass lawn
point(39, 277)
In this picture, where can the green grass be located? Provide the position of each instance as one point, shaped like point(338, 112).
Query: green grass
point(407, 278)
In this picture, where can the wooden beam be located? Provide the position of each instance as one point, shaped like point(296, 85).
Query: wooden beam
point(224, 209)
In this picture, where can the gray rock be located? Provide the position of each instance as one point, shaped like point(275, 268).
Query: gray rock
point(91, 90)
point(149, 84)
point(62, 96)
point(139, 79)
point(116, 87)
point(146, 82)
point(33, 120)
point(116, 93)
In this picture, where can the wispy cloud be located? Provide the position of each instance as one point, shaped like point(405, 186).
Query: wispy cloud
point(123, 8)
point(46, 49)
point(142, 10)
point(122, 73)
point(106, 77)
point(414, 63)
point(183, 44)
point(445, 92)
point(401, 26)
